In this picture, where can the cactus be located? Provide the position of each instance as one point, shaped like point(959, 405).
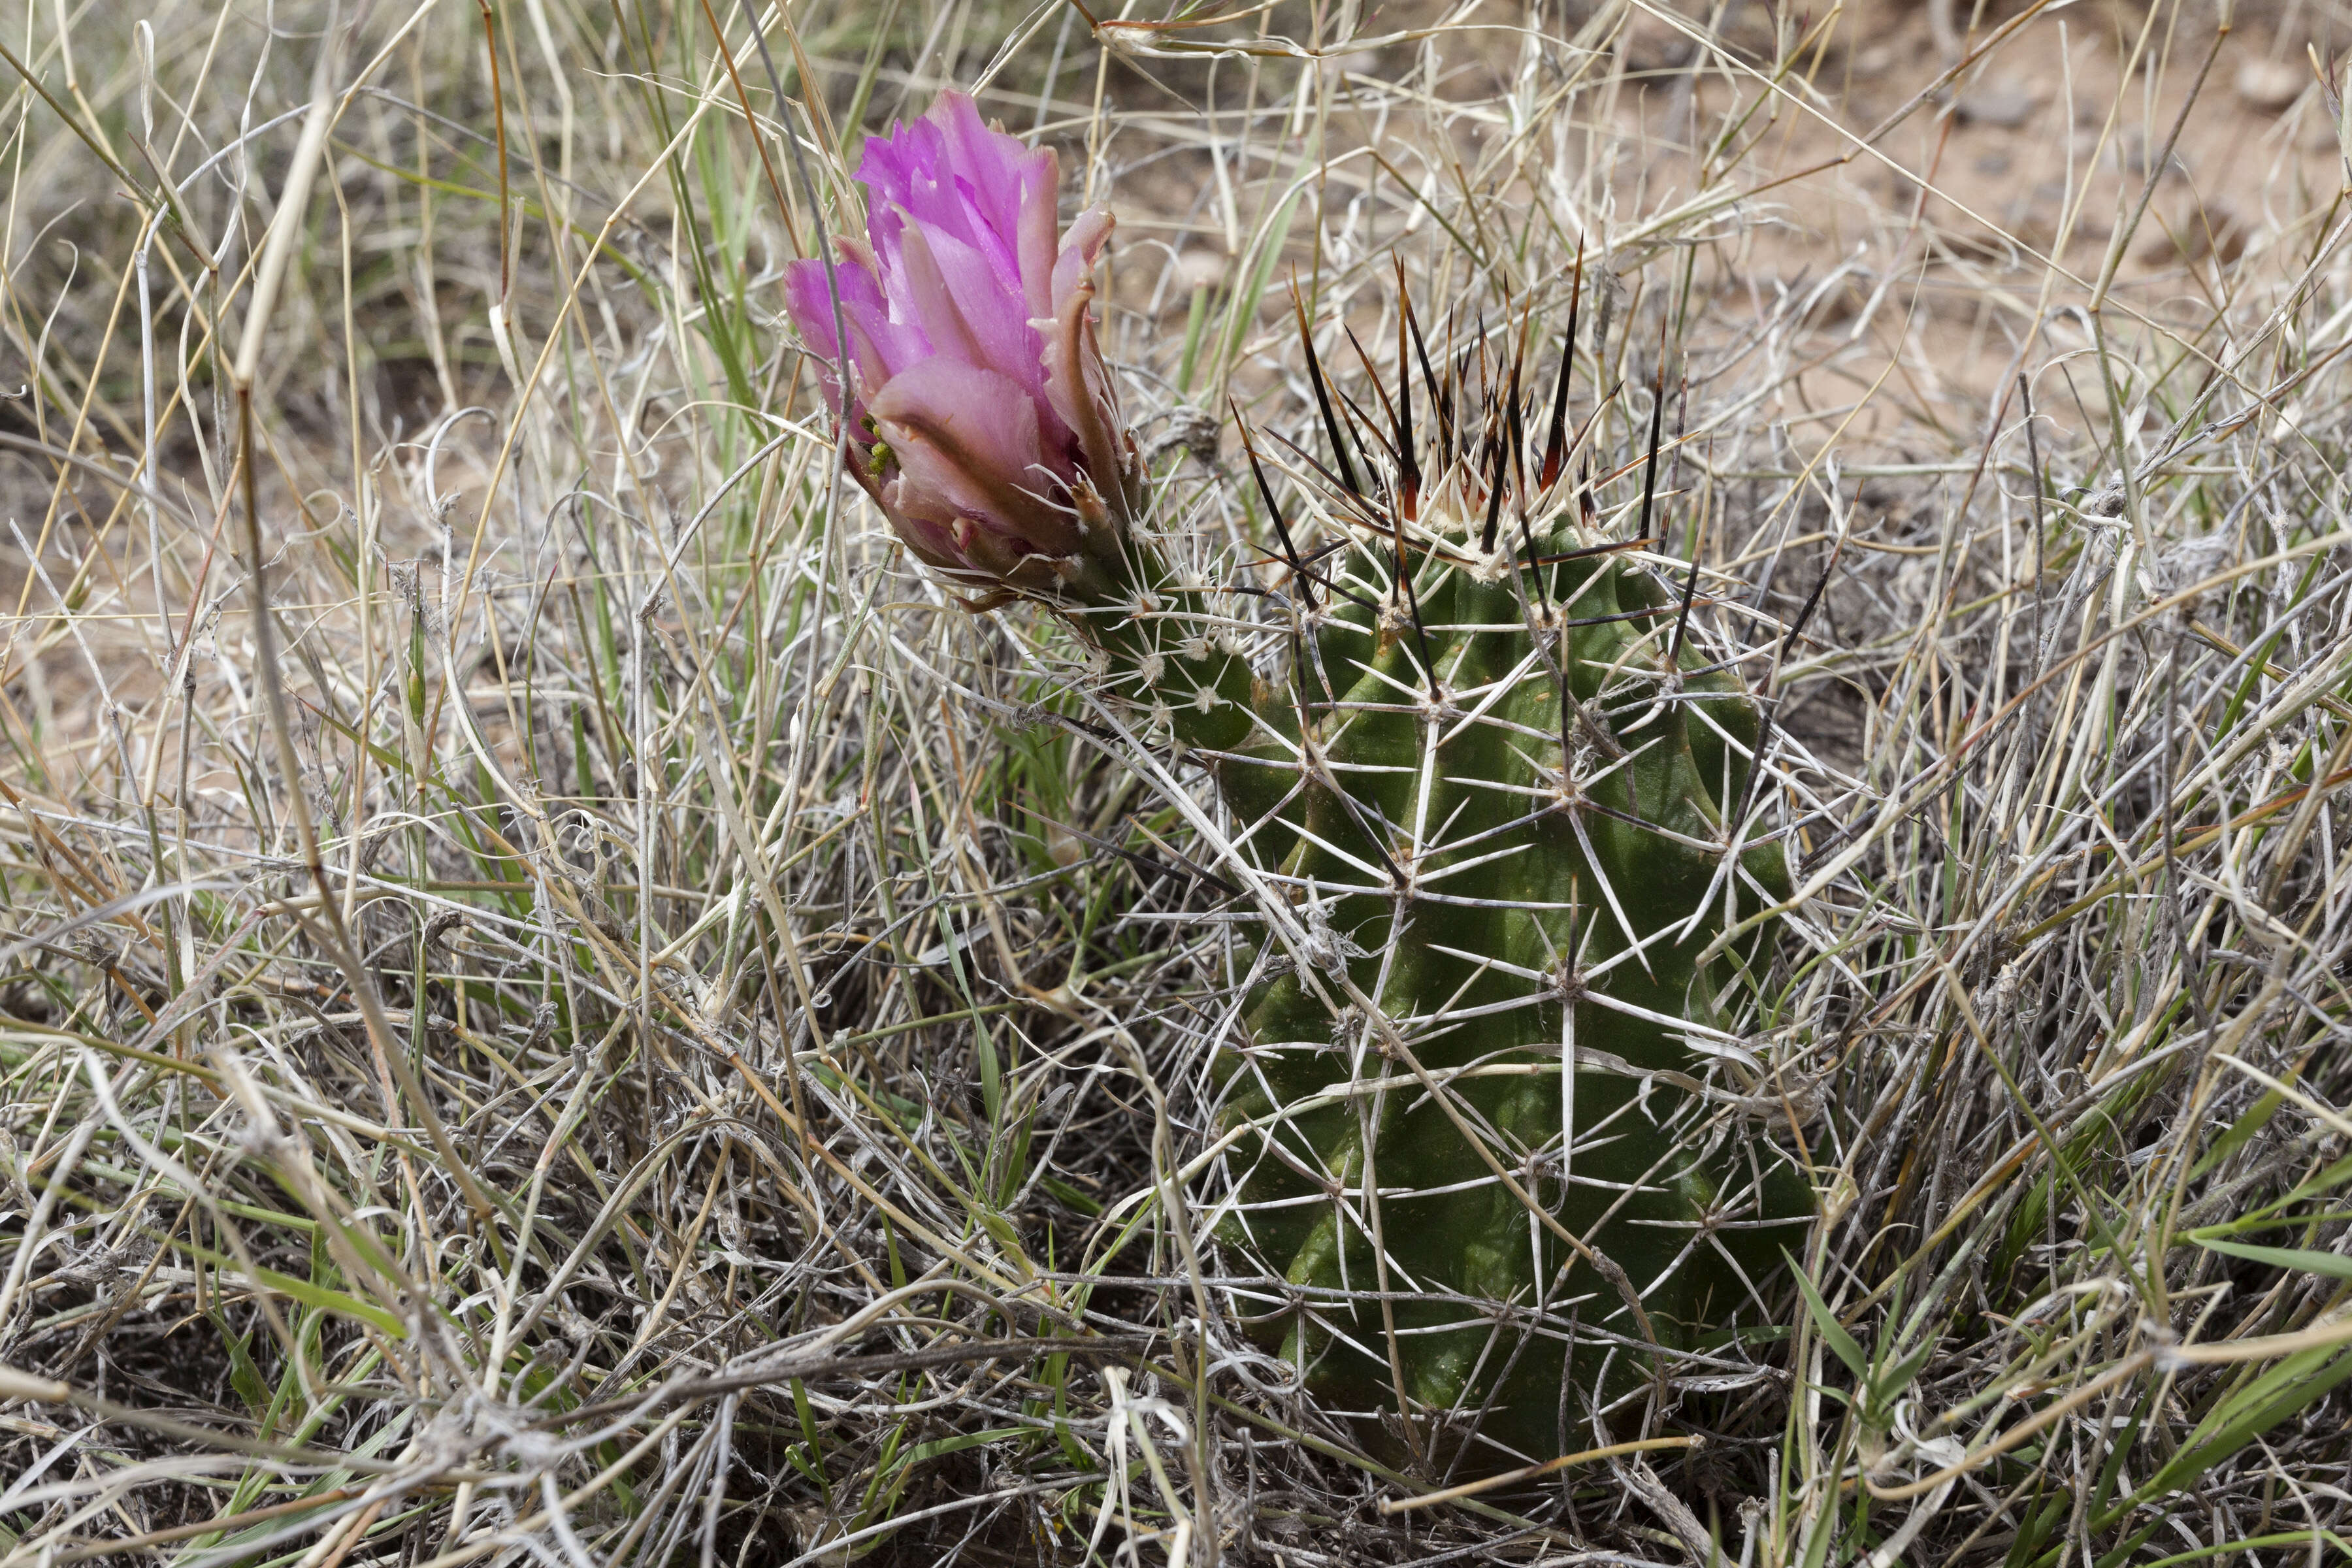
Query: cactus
point(1499, 791)
point(1486, 1134)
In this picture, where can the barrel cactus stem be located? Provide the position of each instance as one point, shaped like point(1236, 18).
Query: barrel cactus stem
point(1496, 1160)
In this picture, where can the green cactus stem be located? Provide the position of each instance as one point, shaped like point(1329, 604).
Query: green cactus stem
point(1491, 1152)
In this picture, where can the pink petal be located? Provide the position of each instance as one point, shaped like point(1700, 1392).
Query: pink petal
point(912, 152)
point(929, 531)
point(923, 295)
point(1034, 241)
point(968, 439)
point(809, 302)
point(1078, 387)
point(996, 317)
point(951, 174)
point(995, 167)
point(1082, 247)
point(879, 346)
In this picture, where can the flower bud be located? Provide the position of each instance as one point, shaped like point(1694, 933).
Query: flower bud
point(981, 416)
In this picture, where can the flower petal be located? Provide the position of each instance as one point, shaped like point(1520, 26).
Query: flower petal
point(808, 300)
point(1034, 241)
point(924, 296)
point(995, 167)
point(1082, 247)
point(927, 527)
point(968, 437)
point(1079, 389)
point(998, 316)
point(879, 346)
point(913, 153)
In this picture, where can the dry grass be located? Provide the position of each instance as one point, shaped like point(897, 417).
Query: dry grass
point(613, 1024)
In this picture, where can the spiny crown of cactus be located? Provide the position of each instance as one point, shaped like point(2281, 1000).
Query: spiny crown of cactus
point(1494, 1163)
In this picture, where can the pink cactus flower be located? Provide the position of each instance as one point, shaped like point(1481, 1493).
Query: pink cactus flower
point(982, 419)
